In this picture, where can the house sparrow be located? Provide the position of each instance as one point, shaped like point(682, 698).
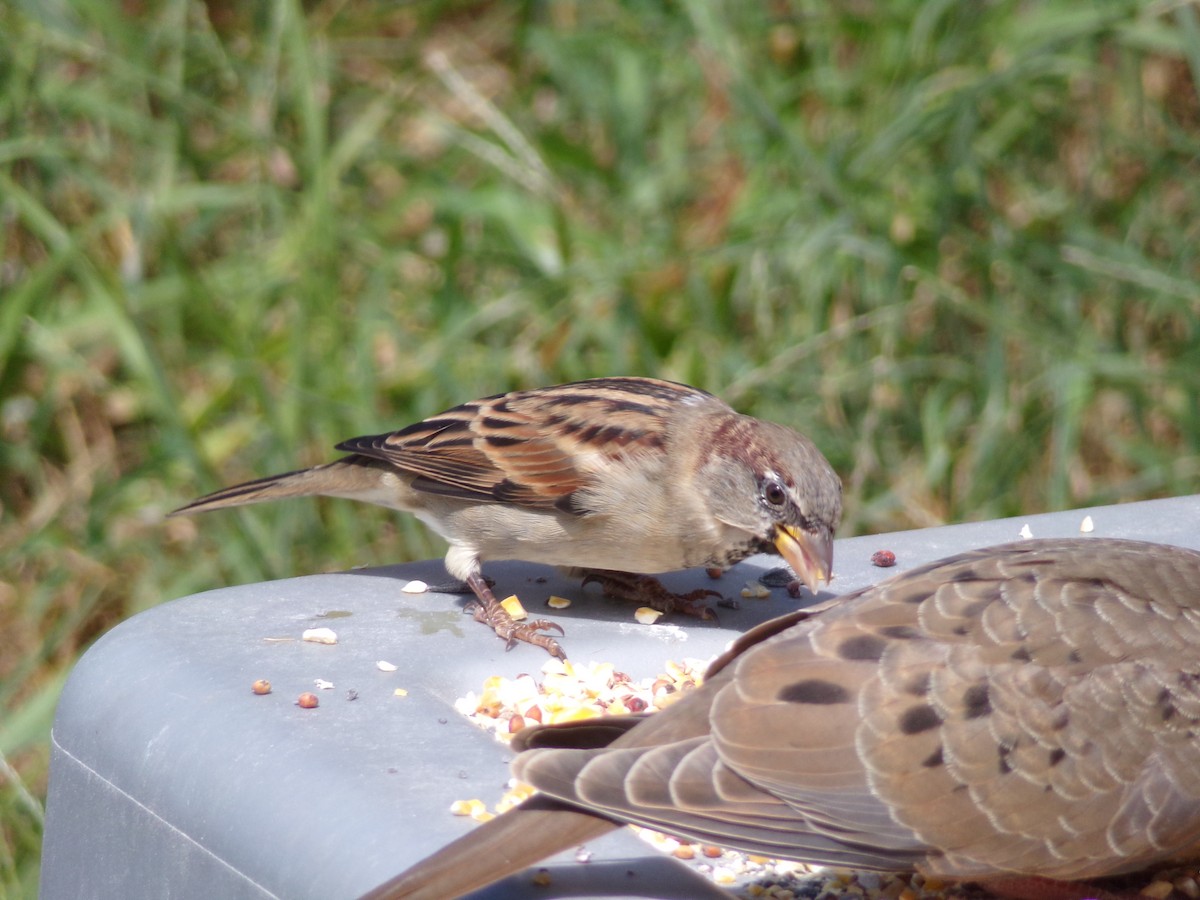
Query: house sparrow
point(1004, 716)
point(619, 475)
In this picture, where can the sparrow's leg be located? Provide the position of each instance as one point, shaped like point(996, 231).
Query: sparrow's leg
point(489, 611)
point(650, 592)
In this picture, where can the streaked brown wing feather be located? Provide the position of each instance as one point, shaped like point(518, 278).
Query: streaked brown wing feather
point(531, 448)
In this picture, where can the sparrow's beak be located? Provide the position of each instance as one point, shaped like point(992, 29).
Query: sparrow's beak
point(809, 555)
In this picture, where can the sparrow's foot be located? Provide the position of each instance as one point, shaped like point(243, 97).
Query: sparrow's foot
point(650, 592)
point(487, 609)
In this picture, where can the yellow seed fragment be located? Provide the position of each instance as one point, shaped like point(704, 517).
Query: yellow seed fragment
point(558, 602)
point(647, 616)
point(399, 692)
point(467, 808)
point(512, 606)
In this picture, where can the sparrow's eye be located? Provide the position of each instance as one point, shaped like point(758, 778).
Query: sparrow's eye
point(774, 493)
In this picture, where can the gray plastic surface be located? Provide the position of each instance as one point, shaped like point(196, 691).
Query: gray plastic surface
point(169, 778)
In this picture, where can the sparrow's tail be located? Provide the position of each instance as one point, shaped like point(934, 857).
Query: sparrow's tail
point(354, 477)
point(520, 838)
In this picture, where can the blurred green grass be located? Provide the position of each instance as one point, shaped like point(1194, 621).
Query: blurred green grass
point(954, 243)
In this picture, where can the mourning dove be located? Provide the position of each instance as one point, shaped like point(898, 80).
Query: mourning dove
point(1026, 710)
point(615, 475)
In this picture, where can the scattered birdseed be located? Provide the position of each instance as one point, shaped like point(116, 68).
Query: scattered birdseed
point(262, 686)
point(320, 636)
point(572, 691)
point(883, 558)
point(308, 701)
point(714, 572)
point(415, 587)
point(399, 692)
point(541, 878)
point(322, 684)
point(647, 616)
point(793, 588)
point(1087, 526)
point(756, 590)
point(1026, 531)
point(512, 606)
point(384, 666)
point(557, 602)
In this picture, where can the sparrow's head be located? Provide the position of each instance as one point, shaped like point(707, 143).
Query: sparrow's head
point(775, 486)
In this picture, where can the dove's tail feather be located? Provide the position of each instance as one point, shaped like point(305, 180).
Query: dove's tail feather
point(519, 838)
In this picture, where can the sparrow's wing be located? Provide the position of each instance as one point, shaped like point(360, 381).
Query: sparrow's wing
point(1031, 708)
point(533, 448)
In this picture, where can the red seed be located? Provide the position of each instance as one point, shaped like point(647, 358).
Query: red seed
point(883, 558)
point(714, 572)
point(307, 701)
point(262, 686)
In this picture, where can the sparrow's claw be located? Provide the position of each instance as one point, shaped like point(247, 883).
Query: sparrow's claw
point(650, 592)
point(487, 609)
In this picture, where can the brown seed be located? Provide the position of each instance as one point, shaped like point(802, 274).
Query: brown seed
point(534, 714)
point(883, 558)
point(710, 851)
point(262, 686)
point(635, 704)
point(793, 588)
point(516, 723)
point(307, 701)
point(684, 851)
point(714, 572)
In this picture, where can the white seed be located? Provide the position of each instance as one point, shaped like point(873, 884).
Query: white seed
point(320, 636)
point(384, 666)
point(415, 587)
point(1026, 531)
point(1087, 526)
point(647, 616)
